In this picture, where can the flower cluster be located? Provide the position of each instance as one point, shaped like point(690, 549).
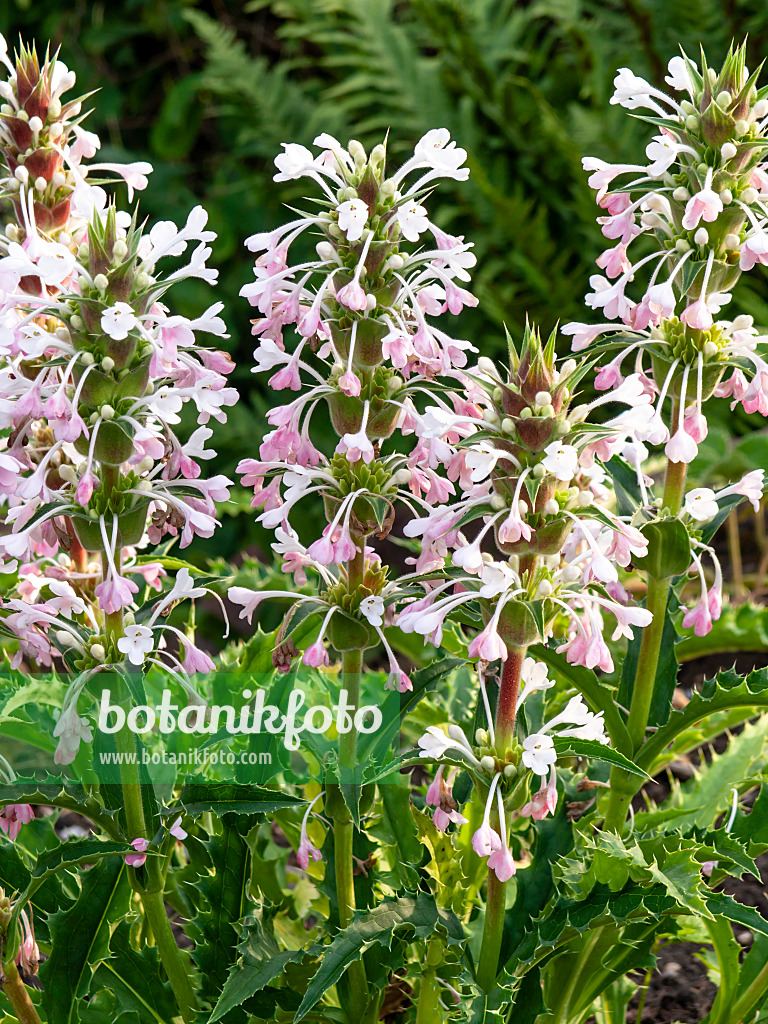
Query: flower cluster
point(95, 372)
point(504, 776)
point(528, 466)
point(699, 203)
point(367, 351)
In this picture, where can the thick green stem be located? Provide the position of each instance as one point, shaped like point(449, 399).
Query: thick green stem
point(151, 896)
point(17, 995)
point(170, 954)
point(354, 986)
point(624, 784)
point(493, 931)
point(428, 1010)
point(495, 903)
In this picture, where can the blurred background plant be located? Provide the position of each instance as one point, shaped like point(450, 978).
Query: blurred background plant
point(524, 86)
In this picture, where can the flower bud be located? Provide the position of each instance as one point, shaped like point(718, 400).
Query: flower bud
point(97, 652)
point(741, 128)
point(488, 764)
point(723, 99)
point(107, 412)
point(749, 195)
point(119, 250)
point(710, 349)
point(481, 738)
point(107, 364)
point(726, 197)
point(402, 476)
point(701, 237)
point(760, 109)
point(538, 471)
point(551, 507)
point(691, 123)
point(731, 241)
point(101, 282)
point(487, 366)
point(498, 502)
point(728, 151)
point(54, 109)
point(681, 194)
point(682, 245)
point(544, 589)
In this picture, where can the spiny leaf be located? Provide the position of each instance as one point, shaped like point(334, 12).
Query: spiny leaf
point(134, 977)
point(222, 899)
point(570, 746)
point(726, 691)
point(419, 915)
point(198, 796)
point(259, 962)
point(80, 938)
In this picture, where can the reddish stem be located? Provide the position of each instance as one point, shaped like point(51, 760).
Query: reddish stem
point(507, 706)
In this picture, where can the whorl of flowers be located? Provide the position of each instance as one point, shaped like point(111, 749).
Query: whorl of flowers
point(506, 777)
point(525, 461)
point(367, 351)
point(95, 373)
point(699, 206)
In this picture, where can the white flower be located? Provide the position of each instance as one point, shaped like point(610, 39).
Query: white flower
point(412, 219)
point(136, 644)
point(678, 76)
point(294, 162)
point(434, 743)
point(184, 587)
point(539, 753)
point(372, 608)
point(65, 599)
point(497, 578)
point(435, 150)
point(534, 677)
point(118, 320)
point(701, 504)
point(353, 215)
point(70, 729)
point(562, 460)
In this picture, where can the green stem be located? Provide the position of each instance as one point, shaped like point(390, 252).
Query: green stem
point(428, 1010)
point(17, 995)
point(355, 984)
point(493, 931)
point(170, 954)
point(495, 903)
point(624, 784)
point(151, 897)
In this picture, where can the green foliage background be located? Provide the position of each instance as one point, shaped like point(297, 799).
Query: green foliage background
point(208, 91)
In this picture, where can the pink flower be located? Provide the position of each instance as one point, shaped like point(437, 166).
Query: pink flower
point(699, 617)
point(177, 831)
point(13, 816)
point(352, 296)
point(115, 593)
point(545, 801)
point(697, 315)
point(754, 250)
point(316, 656)
point(705, 205)
point(614, 261)
point(85, 488)
point(135, 860)
point(349, 383)
point(488, 645)
point(681, 447)
point(503, 863)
